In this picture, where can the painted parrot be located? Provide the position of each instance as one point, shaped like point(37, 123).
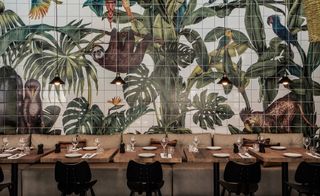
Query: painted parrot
point(283, 33)
point(39, 8)
point(180, 14)
point(97, 7)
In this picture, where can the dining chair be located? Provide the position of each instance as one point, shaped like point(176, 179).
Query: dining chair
point(5, 185)
point(144, 178)
point(307, 179)
point(241, 178)
point(74, 178)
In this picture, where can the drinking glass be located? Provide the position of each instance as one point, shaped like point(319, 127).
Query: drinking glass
point(164, 142)
point(75, 142)
point(171, 150)
point(97, 142)
point(306, 142)
point(132, 142)
point(5, 143)
point(22, 144)
point(239, 143)
point(196, 141)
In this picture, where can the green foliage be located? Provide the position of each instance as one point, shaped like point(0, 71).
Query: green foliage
point(139, 88)
point(79, 117)
point(50, 116)
point(298, 86)
point(199, 47)
point(233, 129)
point(211, 110)
point(49, 56)
point(255, 26)
point(119, 121)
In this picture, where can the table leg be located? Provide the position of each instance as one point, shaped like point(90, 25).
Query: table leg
point(216, 178)
point(14, 178)
point(285, 178)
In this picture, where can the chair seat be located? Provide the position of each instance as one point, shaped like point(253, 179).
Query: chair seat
point(238, 188)
point(76, 188)
point(141, 186)
point(303, 188)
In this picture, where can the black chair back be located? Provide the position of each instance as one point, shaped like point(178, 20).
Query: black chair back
point(1, 175)
point(72, 173)
point(144, 173)
point(242, 173)
point(308, 173)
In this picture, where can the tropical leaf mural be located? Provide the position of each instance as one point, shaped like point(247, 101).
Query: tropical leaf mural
point(182, 50)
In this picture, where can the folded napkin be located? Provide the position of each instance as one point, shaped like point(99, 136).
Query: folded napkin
point(245, 155)
point(313, 155)
point(165, 157)
point(88, 155)
point(12, 149)
point(17, 156)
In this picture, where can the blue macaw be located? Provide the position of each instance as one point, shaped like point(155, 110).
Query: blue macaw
point(180, 14)
point(283, 33)
point(39, 8)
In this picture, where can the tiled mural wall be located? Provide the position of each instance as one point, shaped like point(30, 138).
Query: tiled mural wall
point(171, 54)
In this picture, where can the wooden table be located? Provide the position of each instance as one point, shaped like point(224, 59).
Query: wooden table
point(127, 156)
point(103, 157)
point(33, 157)
point(278, 157)
point(206, 156)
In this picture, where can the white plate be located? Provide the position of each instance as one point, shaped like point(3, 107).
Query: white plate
point(73, 155)
point(221, 155)
point(4, 155)
point(149, 148)
point(146, 155)
point(293, 155)
point(278, 147)
point(90, 148)
point(213, 147)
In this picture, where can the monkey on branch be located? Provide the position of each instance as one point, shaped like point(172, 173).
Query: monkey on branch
point(123, 53)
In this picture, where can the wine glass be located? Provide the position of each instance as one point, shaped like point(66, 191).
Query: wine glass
point(196, 142)
point(260, 139)
point(164, 142)
point(239, 143)
point(75, 142)
point(132, 142)
point(5, 143)
point(22, 144)
point(97, 142)
point(306, 142)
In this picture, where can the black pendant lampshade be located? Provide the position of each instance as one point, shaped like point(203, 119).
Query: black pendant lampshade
point(118, 80)
point(285, 80)
point(57, 81)
point(224, 80)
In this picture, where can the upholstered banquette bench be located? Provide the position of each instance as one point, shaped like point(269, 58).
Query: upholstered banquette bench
point(185, 179)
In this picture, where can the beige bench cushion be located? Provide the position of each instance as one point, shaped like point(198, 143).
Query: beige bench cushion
point(186, 139)
point(285, 139)
point(49, 141)
point(227, 140)
point(14, 139)
point(142, 139)
point(107, 141)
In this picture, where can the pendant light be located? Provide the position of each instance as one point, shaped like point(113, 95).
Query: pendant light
point(117, 80)
point(225, 80)
point(57, 81)
point(285, 80)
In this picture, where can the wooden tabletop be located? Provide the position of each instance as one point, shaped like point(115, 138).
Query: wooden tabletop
point(33, 157)
point(278, 157)
point(103, 157)
point(206, 156)
point(127, 156)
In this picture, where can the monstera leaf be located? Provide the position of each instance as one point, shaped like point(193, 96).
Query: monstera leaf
point(119, 121)
point(199, 47)
point(181, 54)
point(211, 110)
point(79, 117)
point(139, 87)
point(50, 116)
